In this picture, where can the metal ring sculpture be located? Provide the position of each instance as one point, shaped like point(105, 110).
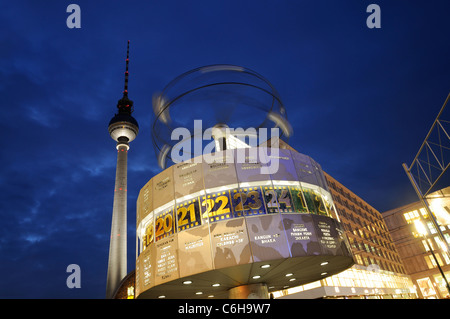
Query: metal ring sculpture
point(225, 94)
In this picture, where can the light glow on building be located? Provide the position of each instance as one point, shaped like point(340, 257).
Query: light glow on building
point(356, 282)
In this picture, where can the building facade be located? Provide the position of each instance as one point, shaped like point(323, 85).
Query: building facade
point(422, 252)
point(366, 230)
point(379, 271)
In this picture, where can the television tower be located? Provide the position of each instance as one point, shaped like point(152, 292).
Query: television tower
point(123, 128)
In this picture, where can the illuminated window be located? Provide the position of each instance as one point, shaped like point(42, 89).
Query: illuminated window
point(431, 262)
point(366, 262)
point(442, 286)
point(427, 247)
point(442, 246)
point(439, 242)
point(411, 216)
point(447, 238)
point(446, 258)
point(423, 212)
point(431, 227)
point(312, 285)
point(130, 291)
point(358, 259)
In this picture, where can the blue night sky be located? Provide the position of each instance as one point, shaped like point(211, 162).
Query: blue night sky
point(360, 102)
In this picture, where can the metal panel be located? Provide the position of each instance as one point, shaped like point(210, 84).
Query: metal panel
point(286, 167)
point(230, 244)
point(249, 165)
point(163, 188)
point(267, 237)
point(146, 196)
point(221, 171)
point(306, 172)
point(146, 269)
point(188, 178)
point(166, 260)
point(301, 234)
point(328, 236)
point(194, 251)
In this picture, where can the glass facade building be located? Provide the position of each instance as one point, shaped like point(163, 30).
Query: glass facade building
point(419, 244)
point(358, 282)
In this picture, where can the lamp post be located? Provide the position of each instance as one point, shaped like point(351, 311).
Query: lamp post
point(422, 230)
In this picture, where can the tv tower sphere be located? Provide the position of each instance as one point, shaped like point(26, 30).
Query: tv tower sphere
point(123, 129)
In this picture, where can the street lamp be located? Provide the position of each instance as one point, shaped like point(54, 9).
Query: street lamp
point(422, 230)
